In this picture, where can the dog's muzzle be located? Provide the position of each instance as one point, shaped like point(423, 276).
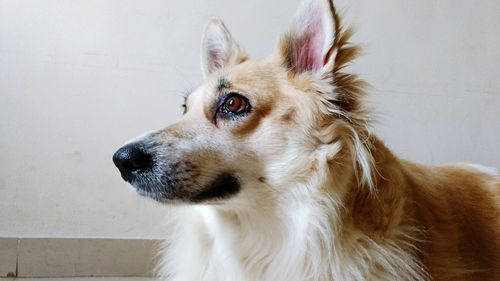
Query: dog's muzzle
point(166, 174)
point(131, 160)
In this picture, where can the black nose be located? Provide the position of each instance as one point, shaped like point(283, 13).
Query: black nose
point(132, 159)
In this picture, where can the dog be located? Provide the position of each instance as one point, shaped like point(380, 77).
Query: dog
point(273, 173)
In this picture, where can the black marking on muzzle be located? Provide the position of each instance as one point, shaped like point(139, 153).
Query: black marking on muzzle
point(223, 186)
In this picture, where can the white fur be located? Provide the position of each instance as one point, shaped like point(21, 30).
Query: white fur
point(293, 233)
point(288, 228)
point(484, 169)
point(218, 47)
point(215, 47)
point(299, 238)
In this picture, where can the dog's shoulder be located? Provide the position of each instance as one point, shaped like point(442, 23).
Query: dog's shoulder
point(458, 207)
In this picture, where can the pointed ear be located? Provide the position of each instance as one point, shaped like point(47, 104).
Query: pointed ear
point(219, 48)
point(310, 43)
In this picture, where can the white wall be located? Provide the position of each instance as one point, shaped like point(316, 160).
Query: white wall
point(80, 77)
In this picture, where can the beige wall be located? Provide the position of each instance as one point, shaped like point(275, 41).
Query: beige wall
point(80, 77)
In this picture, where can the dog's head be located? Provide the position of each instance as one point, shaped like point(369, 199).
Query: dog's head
point(256, 128)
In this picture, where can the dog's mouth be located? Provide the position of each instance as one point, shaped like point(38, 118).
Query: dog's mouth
point(222, 187)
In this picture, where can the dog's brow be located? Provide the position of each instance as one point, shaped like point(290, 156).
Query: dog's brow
point(223, 83)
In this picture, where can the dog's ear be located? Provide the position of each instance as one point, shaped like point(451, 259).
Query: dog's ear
point(310, 43)
point(219, 48)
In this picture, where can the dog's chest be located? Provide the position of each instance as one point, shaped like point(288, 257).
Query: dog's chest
point(208, 247)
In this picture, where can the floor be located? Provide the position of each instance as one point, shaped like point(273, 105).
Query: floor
point(77, 257)
point(81, 279)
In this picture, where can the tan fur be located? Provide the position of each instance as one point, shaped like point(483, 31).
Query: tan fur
point(449, 214)
point(322, 197)
point(452, 206)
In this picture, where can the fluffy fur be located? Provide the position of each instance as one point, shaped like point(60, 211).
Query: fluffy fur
point(321, 197)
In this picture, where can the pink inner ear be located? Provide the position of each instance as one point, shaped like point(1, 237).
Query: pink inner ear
point(215, 58)
point(308, 44)
point(215, 47)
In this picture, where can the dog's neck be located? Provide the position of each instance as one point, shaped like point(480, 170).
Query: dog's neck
point(304, 225)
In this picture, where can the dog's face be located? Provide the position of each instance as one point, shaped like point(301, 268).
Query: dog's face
point(253, 126)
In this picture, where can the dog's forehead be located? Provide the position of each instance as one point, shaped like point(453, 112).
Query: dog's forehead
point(253, 73)
point(250, 77)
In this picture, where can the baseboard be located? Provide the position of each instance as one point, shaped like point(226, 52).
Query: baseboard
point(76, 257)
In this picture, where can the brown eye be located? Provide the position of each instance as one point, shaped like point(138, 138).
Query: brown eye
point(234, 104)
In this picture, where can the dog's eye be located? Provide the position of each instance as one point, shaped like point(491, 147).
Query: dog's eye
point(234, 104)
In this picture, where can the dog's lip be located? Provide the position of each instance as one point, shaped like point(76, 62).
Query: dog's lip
point(131, 178)
point(126, 178)
point(216, 191)
point(164, 200)
point(221, 187)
